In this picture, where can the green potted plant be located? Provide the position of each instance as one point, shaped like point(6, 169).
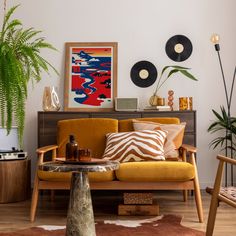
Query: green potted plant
point(172, 70)
point(20, 62)
point(226, 127)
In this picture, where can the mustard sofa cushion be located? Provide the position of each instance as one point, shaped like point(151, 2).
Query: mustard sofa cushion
point(66, 176)
point(127, 125)
point(89, 133)
point(152, 171)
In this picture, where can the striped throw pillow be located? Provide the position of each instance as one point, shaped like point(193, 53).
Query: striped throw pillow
point(146, 145)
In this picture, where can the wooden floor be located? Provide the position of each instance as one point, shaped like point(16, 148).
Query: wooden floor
point(15, 216)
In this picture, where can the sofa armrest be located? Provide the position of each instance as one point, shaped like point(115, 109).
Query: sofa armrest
point(41, 151)
point(189, 148)
point(226, 159)
point(186, 148)
point(46, 149)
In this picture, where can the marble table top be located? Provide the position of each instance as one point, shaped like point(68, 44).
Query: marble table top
point(79, 167)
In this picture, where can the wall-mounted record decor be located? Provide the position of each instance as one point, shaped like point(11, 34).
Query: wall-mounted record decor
point(179, 48)
point(143, 74)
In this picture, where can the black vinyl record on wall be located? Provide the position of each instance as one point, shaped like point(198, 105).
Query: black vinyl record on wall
point(179, 48)
point(143, 74)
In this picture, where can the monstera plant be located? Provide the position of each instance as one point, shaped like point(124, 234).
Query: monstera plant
point(20, 62)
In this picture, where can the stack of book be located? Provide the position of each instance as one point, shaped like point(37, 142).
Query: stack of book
point(158, 108)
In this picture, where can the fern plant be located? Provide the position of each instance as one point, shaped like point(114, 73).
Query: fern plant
point(20, 62)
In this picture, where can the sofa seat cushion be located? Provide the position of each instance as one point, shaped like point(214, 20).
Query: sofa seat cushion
point(152, 171)
point(66, 176)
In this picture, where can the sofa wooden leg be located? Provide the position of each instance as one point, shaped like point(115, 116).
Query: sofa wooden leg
point(185, 195)
point(198, 198)
point(34, 200)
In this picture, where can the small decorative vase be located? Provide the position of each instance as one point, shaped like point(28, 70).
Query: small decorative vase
point(185, 103)
point(50, 99)
point(156, 101)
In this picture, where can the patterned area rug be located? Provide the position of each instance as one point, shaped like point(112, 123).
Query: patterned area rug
point(159, 226)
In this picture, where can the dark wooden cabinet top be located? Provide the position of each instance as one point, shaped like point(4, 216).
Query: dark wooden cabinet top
point(47, 121)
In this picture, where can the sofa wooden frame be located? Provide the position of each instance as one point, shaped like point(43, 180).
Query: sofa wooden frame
point(192, 184)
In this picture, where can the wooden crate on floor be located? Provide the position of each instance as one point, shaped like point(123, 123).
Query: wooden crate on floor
point(142, 210)
point(138, 198)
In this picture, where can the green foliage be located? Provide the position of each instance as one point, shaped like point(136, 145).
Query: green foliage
point(174, 70)
point(227, 127)
point(20, 62)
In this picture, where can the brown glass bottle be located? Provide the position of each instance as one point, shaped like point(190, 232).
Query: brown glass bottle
point(72, 149)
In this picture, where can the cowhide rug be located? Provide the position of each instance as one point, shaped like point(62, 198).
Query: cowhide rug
point(167, 225)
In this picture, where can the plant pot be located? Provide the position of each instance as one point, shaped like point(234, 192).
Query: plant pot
point(156, 101)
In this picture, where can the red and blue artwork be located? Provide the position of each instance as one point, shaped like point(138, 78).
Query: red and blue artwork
point(91, 80)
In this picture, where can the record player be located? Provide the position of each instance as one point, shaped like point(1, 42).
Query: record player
point(14, 154)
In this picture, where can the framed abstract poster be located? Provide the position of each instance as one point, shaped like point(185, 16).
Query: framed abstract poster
point(90, 76)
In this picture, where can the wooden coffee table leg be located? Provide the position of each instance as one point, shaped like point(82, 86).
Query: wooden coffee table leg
point(80, 219)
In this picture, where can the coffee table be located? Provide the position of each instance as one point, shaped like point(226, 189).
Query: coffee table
point(80, 218)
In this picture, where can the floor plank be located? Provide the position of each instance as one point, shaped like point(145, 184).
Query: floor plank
point(14, 216)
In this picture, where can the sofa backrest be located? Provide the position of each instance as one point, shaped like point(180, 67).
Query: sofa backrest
point(89, 133)
point(127, 125)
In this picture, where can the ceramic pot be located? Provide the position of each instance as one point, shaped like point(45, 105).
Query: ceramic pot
point(156, 101)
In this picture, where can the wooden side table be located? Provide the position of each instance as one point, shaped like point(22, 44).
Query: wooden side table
point(14, 180)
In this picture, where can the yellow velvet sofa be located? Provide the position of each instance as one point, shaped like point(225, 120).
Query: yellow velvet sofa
point(148, 175)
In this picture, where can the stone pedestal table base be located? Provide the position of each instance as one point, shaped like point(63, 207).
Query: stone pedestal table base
point(80, 219)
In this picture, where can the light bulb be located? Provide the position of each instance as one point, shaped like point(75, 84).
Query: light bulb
point(215, 38)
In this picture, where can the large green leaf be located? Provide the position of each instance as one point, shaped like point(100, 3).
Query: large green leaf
point(173, 70)
point(174, 67)
point(180, 67)
point(187, 74)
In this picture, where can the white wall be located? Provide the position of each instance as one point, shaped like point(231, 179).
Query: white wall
point(141, 29)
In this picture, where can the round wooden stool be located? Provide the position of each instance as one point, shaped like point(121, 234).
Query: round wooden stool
point(14, 180)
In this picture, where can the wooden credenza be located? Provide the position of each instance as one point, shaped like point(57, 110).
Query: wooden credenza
point(47, 122)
